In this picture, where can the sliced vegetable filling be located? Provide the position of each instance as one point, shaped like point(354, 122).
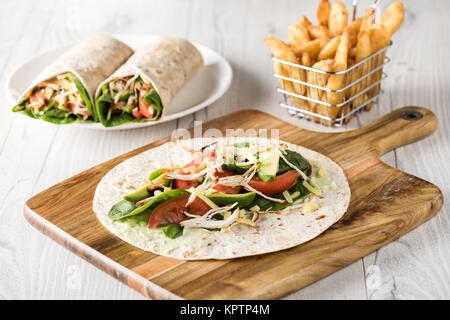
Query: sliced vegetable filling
point(224, 185)
point(128, 99)
point(61, 99)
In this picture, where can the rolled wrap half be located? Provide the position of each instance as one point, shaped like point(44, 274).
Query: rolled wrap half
point(142, 89)
point(64, 92)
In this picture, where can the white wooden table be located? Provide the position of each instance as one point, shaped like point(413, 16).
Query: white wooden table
point(35, 155)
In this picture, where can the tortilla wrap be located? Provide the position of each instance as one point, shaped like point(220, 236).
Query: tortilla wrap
point(167, 63)
point(274, 232)
point(91, 61)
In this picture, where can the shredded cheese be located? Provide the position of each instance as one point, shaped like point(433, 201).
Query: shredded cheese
point(287, 196)
point(310, 207)
point(312, 189)
point(322, 171)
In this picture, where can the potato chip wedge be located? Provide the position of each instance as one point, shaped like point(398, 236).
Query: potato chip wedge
point(353, 29)
point(318, 79)
point(311, 47)
point(393, 17)
point(323, 12)
point(329, 50)
point(319, 32)
point(368, 20)
point(304, 22)
point(298, 35)
point(283, 51)
point(338, 18)
point(338, 81)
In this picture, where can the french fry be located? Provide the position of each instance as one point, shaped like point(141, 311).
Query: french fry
point(350, 77)
point(352, 53)
point(338, 81)
point(323, 12)
point(319, 32)
point(298, 35)
point(312, 47)
point(304, 22)
point(363, 50)
point(306, 59)
point(302, 103)
point(335, 45)
point(353, 29)
point(368, 20)
point(318, 79)
point(379, 39)
point(329, 50)
point(283, 51)
point(393, 17)
point(338, 19)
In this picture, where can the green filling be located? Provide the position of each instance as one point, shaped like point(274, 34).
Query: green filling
point(55, 115)
point(104, 102)
point(265, 204)
point(126, 208)
point(84, 94)
point(172, 230)
point(155, 174)
point(152, 97)
point(295, 159)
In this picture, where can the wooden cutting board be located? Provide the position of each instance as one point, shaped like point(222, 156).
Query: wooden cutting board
point(385, 204)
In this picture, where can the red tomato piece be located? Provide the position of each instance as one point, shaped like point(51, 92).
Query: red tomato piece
point(137, 113)
point(186, 184)
point(172, 211)
point(37, 97)
point(146, 109)
point(281, 183)
point(226, 189)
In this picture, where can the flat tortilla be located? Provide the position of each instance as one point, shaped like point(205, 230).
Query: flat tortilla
point(274, 232)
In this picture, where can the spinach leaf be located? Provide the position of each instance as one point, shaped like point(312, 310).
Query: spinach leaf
point(295, 159)
point(84, 94)
point(103, 104)
point(265, 204)
point(58, 116)
point(125, 208)
point(172, 230)
point(152, 97)
point(20, 105)
point(120, 209)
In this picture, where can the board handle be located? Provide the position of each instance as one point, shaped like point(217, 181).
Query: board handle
point(400, 127)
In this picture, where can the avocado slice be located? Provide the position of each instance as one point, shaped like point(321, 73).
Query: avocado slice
point(144, 192)
point(268, 165)
point(223, 199)
point(230, 158)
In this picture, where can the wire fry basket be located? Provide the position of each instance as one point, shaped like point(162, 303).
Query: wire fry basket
point(305, 92)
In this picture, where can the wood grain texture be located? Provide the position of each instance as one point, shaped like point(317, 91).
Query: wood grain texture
point(385, 203)
point(35, 156)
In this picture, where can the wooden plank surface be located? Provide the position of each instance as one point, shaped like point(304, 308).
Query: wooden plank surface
point(34, 156)
point(385, 203)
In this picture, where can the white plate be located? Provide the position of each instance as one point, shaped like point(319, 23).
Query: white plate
point(208, 85)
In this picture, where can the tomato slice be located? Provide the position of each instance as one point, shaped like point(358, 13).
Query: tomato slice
point(146, 109)
point(185, 184)
point(172, 211)
point(195, 164)
point(37, 97)
point(281, 183)
point(226, 189)
point(137, 113)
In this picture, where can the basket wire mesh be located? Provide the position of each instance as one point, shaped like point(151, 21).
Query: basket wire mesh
point(305, 94)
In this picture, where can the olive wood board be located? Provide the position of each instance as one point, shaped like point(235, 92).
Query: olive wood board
point(385, 204)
